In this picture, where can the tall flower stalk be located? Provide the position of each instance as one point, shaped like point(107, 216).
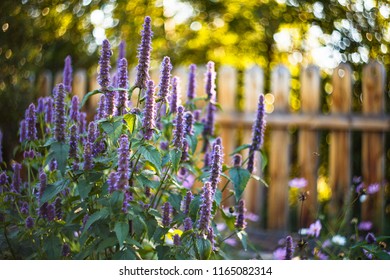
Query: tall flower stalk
point(205, 208)
point(60, 118)
point(178, 133)
point(191, 83)
point(123, 82)
point(31, 120)
point(149, 112)
point(67, 74)
point(165, 79)
point(175, 96)
point(122, 179)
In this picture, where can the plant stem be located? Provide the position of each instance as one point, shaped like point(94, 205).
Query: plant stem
point(9, 244)
point(159, 187)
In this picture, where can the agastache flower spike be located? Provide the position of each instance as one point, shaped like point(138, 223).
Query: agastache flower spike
point(123, 82)
point(210, 81)
point(16, 179)
point(197, 115)
point(289, 248)
point(167, 209)
point(73, 142)
point(111, 181)
point(31, 120)
point(176, 240)
point(104, 79)
point(88, 164)
point(74, 109)
point(216, 167)
point(92, 132)
point(175, 97)
point(49, 110)
point(178, 133)
point(67, 74)
point(41, 105)
point(165, 78)
point(3, 178)
point(257, 133)
point(205, 208)
point(121, 52)
point(186, 202)
point(101, 110)
point(144, 50)
point(211, 237)
point(60, 121)
point(23, 131)
point(184, 155)
point(83, 122)
point(29, 222)
point(189, 121)
point(128, 197)
point(187, 224)
point(191, 82)
point(148, 121)
point(122, 182)
point(240, 219)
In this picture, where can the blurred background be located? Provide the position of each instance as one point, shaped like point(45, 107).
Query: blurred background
point(37, 35)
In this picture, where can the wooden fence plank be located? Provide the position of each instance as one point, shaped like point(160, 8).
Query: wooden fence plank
point(279, 155)
point(45, 84)
point(340, 143)
point(308, 141)
point(373, 143)
point(79, 86)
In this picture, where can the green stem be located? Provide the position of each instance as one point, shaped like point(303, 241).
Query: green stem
point(9, 244)
point(159, 186)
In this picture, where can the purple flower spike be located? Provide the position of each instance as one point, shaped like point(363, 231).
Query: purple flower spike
point(83, 122)
point(16, 179)
point(176, 240)
point(24, 208)
point(197, 115)
point(58, 208)
point(49, 110)
point(31, 120)
point(175, 97)
point(92, 132)
point(178, 133)
point(101, 110)
point(216, 167)
point(112, 181)
point(51, 212)
point(144, 50)
point(23, 131)
point(88, 163)
point(74, 109)
point(205, 208)
point(41, 105)
point(121, 52)
point(3, 178)
point(240, 219)
point(53, 165)
point(29, 222)
point(289, 248)
point(237, 160)
point(123, 164)
point(257, 133)
point(67, 74)
point(128, 197)
point(42, 184)
point(165, 77)
point(211, 237)
point(191, 82)
point(149, 112)
point(123, 82)
point(189, 122)
point(184, 155)
point(104, 79)
point(187, 224)
point(73, 142)
point(60, 121)
point(210, 81)
point(186, 202)
point(167, 209)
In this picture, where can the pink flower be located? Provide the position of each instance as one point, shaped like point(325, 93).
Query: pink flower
point(298, 183)
point(280, 254)
point(373, 188)
point(315, 228)
point(365, 225)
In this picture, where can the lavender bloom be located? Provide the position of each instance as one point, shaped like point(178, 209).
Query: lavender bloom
point(104, 64)
point(42, 184)
point(188, 123)
point(111, 181)
point(216, 168)
point(210, 81)
point(176, 240)
point(74, 109)
point(92, 128)
point(128, 197)
point(370, 238)
point(49, 110)
point(60, 121)
point(315, 229)
point(31, 121)
point(73, 142)
point(58, 208)
point(123, 176)
point(187, 224)
point(197, 115)
point(298, 183)
point(175, 97)
point(23, 131)
point(24, 208)
point(178, 133)
point(205, 208)
point(41, 105)
point(167, 209)
point(149, 112)
point(16, 179)
point(88, 163)
point(208, 129)
point(211, 237)
point(280, 254)
point(237, 160)
point(121, 52)
point(186, 202)
point(53, 165)
point(3, 178)
point(123, 82)
point(240, 219)
point(165, 78)
point(101, 109)
point(184, 155)
point(51, 212)
point(29, 154)
point(65, 250)
point(144, 50)
point(365, 225)
point(164, 145)
point(373, 188)
point(191, 82)
point(67, 74)
point(289, 248)
point(82, 122)
point(29, 222)
point(76, 165)
point(257, 133)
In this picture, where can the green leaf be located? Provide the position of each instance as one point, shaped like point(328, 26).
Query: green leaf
point(257, 178)
point(113, 128)
point(125, 255)
point(175, 158)
point(240, 177)
point(52, 190)
point(218, 196)
point(243, 238)
point(139, 225)
point(84, 187)
point(264, 160)
point(102, 214)
point(198, 128)
point(106, 243)
point(240, 148)
point(52, 246)
point(162, 252)
point(175, 201)
point(59, 151)
point(130, 120)
point(194, 207)
point(229, 220)
point(204, 248)
point(192, 142)
point(121, 230)
point(152, 155)
point(88, 95)
point(382, 255)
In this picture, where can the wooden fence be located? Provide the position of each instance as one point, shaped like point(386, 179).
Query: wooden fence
point(372, 122)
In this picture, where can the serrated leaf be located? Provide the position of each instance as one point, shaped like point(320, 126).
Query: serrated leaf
point(121, 230)
point(175, 158)
point(152, 155)
point(240, 148)
point(204, 248)
point(102, 214)
point(175, 201)
point(125, 255)
point(52, 246)
point(218, 196)
point(113, 128)
point(243, 238)
point(239, 177)
point(259, 179)
point(130, 120)
point(53, 189)
point(192, 142)
point(59, 151)
point(194, 206)
point(84, 187)
point(88, 95)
